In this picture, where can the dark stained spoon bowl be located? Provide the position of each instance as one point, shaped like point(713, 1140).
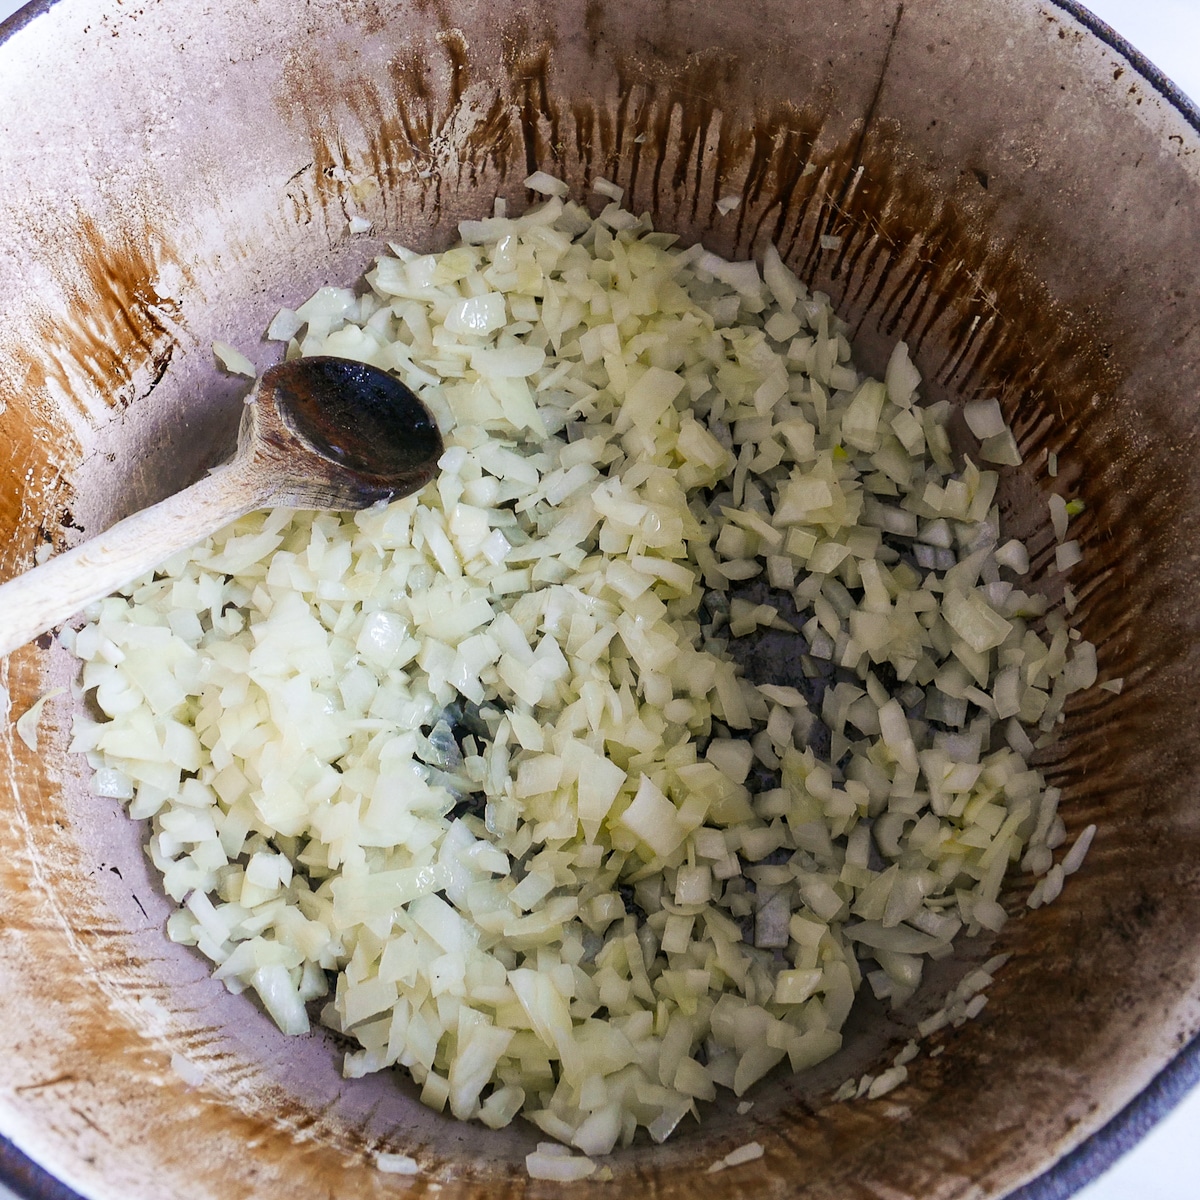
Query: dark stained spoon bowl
point(365, 432)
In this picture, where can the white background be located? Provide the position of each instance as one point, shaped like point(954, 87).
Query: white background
point(1166, 1166)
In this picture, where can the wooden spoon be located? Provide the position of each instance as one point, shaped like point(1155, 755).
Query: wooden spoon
point(316, 433)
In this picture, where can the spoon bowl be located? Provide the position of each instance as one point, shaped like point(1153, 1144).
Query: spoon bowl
point(316, 432)
point(334, 433)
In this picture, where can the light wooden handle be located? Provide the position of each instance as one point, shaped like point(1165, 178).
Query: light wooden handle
point(58, 589)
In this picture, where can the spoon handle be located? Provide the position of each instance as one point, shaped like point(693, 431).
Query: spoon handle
point(50, 594)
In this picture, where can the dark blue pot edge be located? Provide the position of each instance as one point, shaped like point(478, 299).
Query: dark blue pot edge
point(1092, 1157)
point(25, 1178)
point(23, 16)
point(1186, 105)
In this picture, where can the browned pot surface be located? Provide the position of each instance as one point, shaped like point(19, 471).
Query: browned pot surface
point(1013, 198)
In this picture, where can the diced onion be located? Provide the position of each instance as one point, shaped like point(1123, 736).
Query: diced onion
point(484, 760)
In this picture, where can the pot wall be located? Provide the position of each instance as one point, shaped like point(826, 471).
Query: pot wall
point(1010, 196)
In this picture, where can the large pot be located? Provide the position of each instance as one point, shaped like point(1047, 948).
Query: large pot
point(1015, 196)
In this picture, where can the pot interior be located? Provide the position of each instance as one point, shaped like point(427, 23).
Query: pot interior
point(993, 185)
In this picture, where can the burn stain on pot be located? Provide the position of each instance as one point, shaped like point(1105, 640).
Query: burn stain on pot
point(407, 131)
point(313, 95)
point(67, 520)
point(1130, 923)
point(528, 68)
point(685, 103)
point(108, 345)
point(370, 19)
point(40, 454)
point(241, 1106)
point(417, 117)
point(589, 136)
point(781, 175)
point(119, 334)
point(688, 137)
point(593, 23)
point(455, 47)
point(65, 1077)
point(632, 125)
point(854, 158)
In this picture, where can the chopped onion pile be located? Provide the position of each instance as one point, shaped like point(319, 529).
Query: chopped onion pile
point(485, 757)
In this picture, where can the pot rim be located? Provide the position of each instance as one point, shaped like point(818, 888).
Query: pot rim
point(29, 1180)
